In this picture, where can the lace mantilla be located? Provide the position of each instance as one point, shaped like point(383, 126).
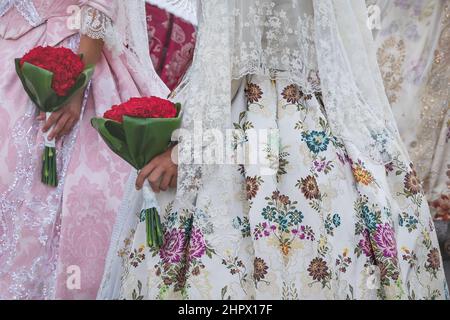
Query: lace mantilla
point(277, 36)
point(320, 45)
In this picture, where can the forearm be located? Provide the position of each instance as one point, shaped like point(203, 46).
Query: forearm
point(91, 49)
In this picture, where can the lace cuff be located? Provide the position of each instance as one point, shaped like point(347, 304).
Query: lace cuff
point(97, 25)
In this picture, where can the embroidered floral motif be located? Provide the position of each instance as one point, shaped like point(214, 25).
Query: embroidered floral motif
point(252, 186)
point(318, 269)
point(391, 57)
point(313, 212)
point(292, 94)
point(260, 269)
point(317, 141)
point(362, 175)
point(412, 183)
point(253, 93)
point(309, 188)
point(434, 259)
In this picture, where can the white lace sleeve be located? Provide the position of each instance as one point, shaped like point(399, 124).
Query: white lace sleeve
point(97, 25)
point(185, 9)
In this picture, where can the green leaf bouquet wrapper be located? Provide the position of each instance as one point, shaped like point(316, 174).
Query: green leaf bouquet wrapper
point(37, 83)
point(138, 141)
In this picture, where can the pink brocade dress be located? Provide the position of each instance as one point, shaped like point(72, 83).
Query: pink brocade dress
point(53, 241)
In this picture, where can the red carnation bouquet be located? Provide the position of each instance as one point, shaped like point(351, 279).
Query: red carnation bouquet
point(137, 131)
point(152, 107)
point(62, 62)
point(51, 77)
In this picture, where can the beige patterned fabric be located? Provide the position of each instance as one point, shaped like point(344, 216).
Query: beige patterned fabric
point(414, 56)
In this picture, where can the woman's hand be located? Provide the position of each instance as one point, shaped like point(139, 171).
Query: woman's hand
point(64, 119)
point(161, 172)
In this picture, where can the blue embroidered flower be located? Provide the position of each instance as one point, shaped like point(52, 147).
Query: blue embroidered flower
point(316, 141)
point(283, 222)
point(370, 220)
point(336, 220)
point(331, 223)
point(243, 225)
point(411, 223)
point(171, 219)
point(400, 220)
point(296, 217)
point(269, 213)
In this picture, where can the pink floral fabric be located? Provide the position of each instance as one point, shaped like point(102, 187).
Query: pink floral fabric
point(46, 232)
point(172, 42)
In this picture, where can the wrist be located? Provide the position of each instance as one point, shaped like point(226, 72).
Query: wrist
point(75, 103)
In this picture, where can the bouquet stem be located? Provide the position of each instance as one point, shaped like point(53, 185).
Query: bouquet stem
point(49, 175)
point(153, 226)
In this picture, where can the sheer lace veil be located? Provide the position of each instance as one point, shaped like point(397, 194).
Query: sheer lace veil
point(131, 38)
point(322, 46)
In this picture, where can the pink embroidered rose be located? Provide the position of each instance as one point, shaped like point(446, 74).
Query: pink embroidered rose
point(365, 244)
point(172, 250)
point(385, 239)
point(197, 246)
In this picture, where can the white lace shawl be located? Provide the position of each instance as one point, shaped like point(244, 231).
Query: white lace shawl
point(320, 45)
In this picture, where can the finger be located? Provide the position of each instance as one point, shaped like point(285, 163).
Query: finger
point(145, 172)
point(165, 181)
point(41, 116)
point(155, 178)
point(58, 127)
point(51, 121)
point(173, 182)
point(67, 128)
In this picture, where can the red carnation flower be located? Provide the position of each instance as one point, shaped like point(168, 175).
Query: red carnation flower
point(147, 107)
point(65, 65)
